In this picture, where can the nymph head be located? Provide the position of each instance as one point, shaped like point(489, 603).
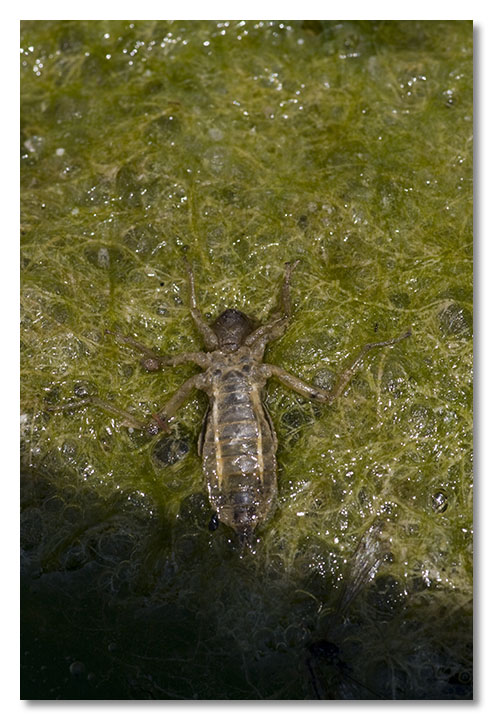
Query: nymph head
point(232, 328)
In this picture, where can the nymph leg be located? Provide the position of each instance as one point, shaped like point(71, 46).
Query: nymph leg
point(279, 321)
point(314, 393)
point(151, 361)
point(204, 329)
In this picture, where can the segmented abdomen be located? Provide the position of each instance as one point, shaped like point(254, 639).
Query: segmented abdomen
point(239, 454)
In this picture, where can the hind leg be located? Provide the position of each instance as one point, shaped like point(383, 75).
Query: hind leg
point(127, 419)
point(314, 393)
point(347, 374)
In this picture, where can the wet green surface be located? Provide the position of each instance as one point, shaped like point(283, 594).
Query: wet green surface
point(349, 146)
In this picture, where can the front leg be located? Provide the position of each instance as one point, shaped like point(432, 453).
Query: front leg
point(278, 322)
point(210, 337)
point(314, 393)
point(152, 362)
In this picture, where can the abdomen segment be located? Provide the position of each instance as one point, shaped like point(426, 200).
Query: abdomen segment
point(239, 459)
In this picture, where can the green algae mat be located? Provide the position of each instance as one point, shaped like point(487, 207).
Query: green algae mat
point(241, 146)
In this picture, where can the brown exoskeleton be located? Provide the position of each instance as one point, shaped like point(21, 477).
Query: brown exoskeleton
point(238, 442)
